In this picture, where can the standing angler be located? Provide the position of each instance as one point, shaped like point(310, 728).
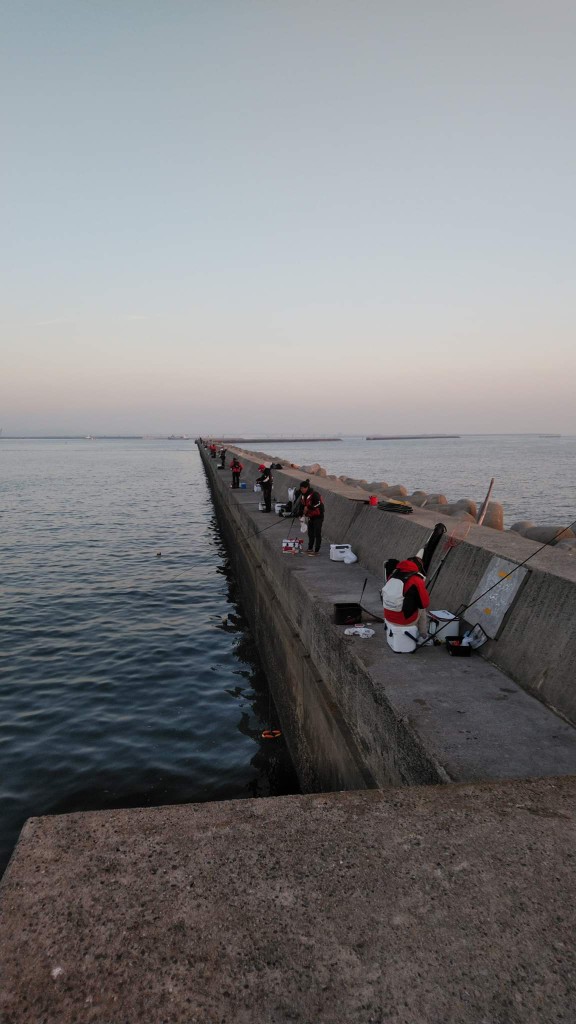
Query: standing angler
point(265, 481)
point(313, 506)
point(222, 455)
point(236, 468)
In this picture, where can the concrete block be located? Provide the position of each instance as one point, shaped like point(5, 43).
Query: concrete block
point(522, 526)
point(548, 534)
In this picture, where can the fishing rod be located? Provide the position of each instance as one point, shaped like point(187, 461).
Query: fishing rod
point(464, 607)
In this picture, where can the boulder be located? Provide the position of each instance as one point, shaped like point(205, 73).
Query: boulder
point(494, 517)
point(522, 526)
point(467, 505)
point(418, 499)
point(437, 499)
point(394, 491)
point(548, 534)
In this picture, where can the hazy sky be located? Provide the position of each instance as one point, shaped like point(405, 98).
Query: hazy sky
point(296, 215)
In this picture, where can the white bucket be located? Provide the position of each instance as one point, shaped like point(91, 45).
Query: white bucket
point(338, 552)
point(261, 506)
point(402, 639)
point(257, 488)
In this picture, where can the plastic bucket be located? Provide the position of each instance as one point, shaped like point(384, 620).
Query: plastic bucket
point(373, 500)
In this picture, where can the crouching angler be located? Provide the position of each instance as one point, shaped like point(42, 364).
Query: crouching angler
point(405, 599)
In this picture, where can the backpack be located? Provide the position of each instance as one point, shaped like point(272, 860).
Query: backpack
point(393, 591)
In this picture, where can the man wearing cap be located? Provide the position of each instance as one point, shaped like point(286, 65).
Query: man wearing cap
point(265, 481)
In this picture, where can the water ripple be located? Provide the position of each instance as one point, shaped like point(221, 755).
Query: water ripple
point(118, 685)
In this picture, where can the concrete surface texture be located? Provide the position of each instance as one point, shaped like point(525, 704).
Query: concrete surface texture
point(354, 713)
point(536, 647)
point(434, 905)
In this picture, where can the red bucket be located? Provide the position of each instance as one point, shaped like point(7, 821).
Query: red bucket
point(373, 499)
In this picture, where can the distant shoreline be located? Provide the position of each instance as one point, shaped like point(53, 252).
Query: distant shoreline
point(408, 437)
point(277, 440)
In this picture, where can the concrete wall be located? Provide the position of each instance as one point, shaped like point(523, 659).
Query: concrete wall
point(537, 644)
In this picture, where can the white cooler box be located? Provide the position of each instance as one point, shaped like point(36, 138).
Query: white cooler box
point(279, 507)
point(338, 552)
point(444, 623)
point(402, 639)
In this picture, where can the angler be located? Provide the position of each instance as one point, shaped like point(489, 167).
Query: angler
point(313, 508)
point(236, 468)
point(405, 599)
point(265, 481)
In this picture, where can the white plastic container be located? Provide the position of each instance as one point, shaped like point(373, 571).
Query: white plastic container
point(257, 488)
point(338, 552)
point(279, 507)
point(402, 639)
point(261, 506)
point(291, 493)
point(444, 623)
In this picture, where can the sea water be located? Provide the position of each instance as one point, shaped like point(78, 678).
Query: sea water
point(128, 676)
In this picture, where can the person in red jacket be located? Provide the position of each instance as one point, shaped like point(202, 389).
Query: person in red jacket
point(405, 595)
point(313, 508)
point(236, 468)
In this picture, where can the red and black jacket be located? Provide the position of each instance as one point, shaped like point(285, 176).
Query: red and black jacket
point(313, 505)
point(415, 594)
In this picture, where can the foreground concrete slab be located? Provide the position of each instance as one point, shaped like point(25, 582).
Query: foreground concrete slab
point(430, 905)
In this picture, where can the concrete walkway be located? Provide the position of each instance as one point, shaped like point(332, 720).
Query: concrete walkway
point(430, 905)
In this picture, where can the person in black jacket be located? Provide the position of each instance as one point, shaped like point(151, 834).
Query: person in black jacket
point(265, 481)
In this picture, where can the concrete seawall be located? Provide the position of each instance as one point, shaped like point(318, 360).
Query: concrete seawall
point(537, 643)
point(354, 713)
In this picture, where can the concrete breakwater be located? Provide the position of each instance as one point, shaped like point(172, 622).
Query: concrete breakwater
point(355, 713)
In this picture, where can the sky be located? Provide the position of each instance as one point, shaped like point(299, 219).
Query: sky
point(296, 216)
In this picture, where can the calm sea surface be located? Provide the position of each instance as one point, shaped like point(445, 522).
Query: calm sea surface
point(535, 476)
point(121, 684)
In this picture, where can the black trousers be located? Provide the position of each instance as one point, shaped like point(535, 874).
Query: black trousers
point(235, 480)
point(315, 533)
point(267, 496)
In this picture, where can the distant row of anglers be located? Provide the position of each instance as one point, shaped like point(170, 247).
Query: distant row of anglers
point(308, 504)
point(405, 596)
